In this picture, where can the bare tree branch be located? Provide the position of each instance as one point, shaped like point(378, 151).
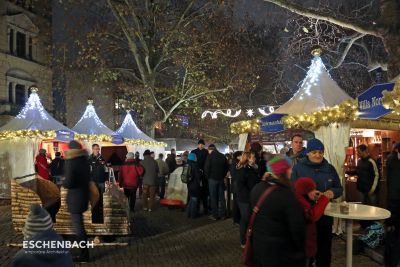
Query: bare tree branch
point(347, 49)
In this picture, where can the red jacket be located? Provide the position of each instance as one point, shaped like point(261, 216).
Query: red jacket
point(312, 212)
point(129, 174)
point(42, 167)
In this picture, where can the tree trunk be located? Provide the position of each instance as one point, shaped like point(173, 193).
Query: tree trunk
point(392, 45)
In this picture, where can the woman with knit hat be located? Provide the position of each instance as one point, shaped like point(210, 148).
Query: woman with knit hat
point(279, 229)
point(39, 228)
point(327, 181)
point(314, 204)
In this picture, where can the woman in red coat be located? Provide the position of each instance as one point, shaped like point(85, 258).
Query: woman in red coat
point(41, 165)
point(314, 204)
point(129, 175)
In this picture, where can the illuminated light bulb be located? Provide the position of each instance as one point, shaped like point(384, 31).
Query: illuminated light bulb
point(250, 112)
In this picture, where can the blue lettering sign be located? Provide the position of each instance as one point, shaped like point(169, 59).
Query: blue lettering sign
point(370, 102)
point(272, 123)
point(117, 139)
point(65, 135)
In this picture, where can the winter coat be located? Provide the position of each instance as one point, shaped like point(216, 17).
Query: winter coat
point(30, 257)
point(279, 227)
point(296, 158)
point(247, 178)
point(393, 176)
point(262, 167)
point(194, 179)
point(42, 166)
point(201, 156)
point(77, 177)
point(234, 174)
point(313, 211)
point(150, 171)
point(97, 169)
point(368, 175)
point(129, 174)
point(216, 166)
point(323, 174)
point(57, 167)
point(162, 167)
point(171, 162)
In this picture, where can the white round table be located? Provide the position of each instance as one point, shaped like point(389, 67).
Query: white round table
point(356, 212)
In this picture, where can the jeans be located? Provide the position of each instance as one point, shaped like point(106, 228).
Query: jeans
point(244, 220)
point(161, 187)
point(131, 195)
point(149, 193)
point(235, 210)
point(79, 227)
point(191, 209)
point(101, 187)
point(371, 201)
point(217, 196)
point(392, 239)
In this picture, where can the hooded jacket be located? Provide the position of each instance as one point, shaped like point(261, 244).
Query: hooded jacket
point(194, 179)
point(42, 166)
point(150, 171)
point(77, 177)
point(129, 174)
point(323, 174)
point(30, 257)
point(313, 211)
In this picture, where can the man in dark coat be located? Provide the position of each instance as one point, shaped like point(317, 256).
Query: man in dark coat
point(297, 151)
point(201, 155)
point(149, 180)
point(57, 167)
point(392, 242)
point(171, 161)
point(97, 168)
point(216, 168)
point(77, 177)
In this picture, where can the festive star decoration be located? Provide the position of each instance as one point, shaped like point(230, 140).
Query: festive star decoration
point(250, 112)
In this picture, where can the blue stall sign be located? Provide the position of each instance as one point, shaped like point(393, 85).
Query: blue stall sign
point(65, 135)
point(272, 123)
point(370, 102)
point(117, 139)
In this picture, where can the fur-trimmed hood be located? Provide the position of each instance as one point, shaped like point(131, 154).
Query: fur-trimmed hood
point(75, 153)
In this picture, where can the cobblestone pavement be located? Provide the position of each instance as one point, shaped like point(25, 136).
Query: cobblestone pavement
point(165, 237)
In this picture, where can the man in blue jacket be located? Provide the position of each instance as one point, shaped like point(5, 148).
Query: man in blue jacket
point(327, 180)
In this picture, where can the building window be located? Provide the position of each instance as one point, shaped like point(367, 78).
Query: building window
point(21, 44)
point(20, 94)
point(11, 41)
point(30, 48)
point(10, 93)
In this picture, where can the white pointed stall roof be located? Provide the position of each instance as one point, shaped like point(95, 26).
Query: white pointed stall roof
point(316, 92)
point(129, 130)
point(33, 116)
point(90, 123)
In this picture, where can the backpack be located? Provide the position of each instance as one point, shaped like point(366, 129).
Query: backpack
point(186, 173)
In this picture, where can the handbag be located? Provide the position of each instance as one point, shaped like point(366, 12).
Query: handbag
point(247, 255)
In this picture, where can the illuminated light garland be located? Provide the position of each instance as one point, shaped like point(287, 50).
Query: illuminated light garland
point(90, 113)
point(249, 126)
point(6, 135)
point(264, 113)
point(214, 114)
point(33, 105)
point(345, 112)
point(391, 98)
point(250, 112)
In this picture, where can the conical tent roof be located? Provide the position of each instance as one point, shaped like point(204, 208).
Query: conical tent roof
point(316, 92)
point(33, 116)
point(90, 123)
point(129, 130)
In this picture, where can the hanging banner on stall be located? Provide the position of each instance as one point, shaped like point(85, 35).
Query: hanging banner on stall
point(370, 102)
point(272, 123)
point(65, 135)
point(117, 139)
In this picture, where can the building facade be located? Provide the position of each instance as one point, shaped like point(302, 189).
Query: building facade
point(25, 54)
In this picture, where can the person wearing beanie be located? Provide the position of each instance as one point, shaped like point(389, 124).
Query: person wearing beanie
point(314, 204)
point(201, 155)
point(163, 171)
point(128, 178)
point(215, 170)
point(39, 227)
point(279, 227)
point(193, 185)
point(77, 177)
point(42, 167)
point(246, 179)
point(327, 181)
point(151, 171)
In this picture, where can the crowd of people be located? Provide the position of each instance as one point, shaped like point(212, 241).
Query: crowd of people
point(278, 200)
